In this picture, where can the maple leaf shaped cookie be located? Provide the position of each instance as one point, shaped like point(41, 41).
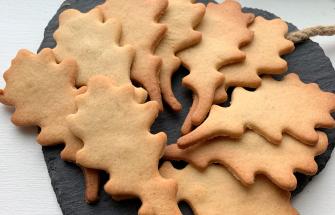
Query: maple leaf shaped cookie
point(224, 29)
point(288, 106)
point(263, 56)
point(115, 129)
point(215, 191)
point(140, 29)
point(43, 94)
point(181, 17)
point(252, 154)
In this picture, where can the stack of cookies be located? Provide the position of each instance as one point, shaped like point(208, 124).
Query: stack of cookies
point(101, 88)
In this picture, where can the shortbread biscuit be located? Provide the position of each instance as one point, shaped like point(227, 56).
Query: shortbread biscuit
point(215, 191)
point(288, 106)
point(43, 93)
point(251, 155)
point(115, 129)
point(262, 57)
point(181, 17)
point(95, 44)
point(140, 29)
point(224, 30)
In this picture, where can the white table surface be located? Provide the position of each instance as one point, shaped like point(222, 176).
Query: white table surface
point(24, 181)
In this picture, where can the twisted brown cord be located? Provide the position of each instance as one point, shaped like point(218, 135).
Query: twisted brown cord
point(304, 34)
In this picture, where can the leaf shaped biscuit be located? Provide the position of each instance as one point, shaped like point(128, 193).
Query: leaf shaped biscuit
point(214, 191)
point(43, 94)
point(288, 106)
point(181, 17)
point(262, 56)
point(140, 29)
point(94, 43)
point(251, 155)
point(224, 29)
point(115, 129)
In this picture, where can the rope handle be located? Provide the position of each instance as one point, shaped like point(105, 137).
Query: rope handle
point(304, 34)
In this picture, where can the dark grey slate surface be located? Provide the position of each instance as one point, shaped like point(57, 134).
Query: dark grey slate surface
point(309, 61)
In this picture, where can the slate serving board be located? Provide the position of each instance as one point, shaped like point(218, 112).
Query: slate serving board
point(308, 60)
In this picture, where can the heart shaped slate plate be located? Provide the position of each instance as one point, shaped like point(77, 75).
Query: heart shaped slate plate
point(308, 60)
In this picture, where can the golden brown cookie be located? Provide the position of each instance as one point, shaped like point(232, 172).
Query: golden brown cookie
point(181, 17)
point(224, 30)
point(263, 56)
point(43, 94)
point(115, 129)
point(95, 44)
point(288, 106)
point(215, 191)
point(140, 29)
point(251, 155)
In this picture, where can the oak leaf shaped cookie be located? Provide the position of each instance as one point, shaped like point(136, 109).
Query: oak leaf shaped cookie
point(140, 29)
point(181, 17)
point(262, 56)
point(252, 154)
point(94, 43)
point(115, 129)
point(43, 94)
point(215, 191)
point(224, 29)
point(288, 106)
